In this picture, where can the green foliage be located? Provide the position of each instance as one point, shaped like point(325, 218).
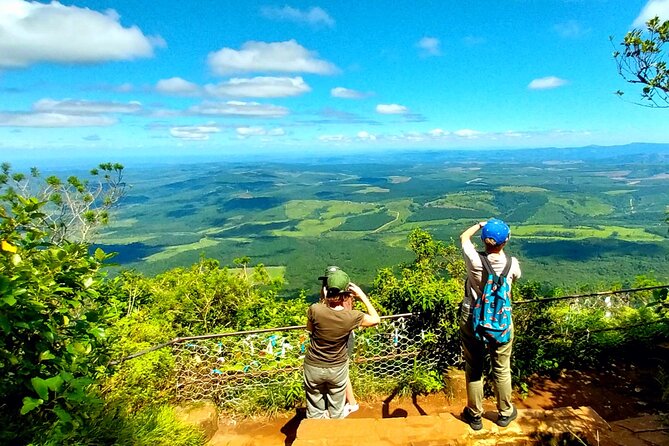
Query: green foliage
point(53, 319)
point(419, 381)
point(158, 426)
point(207, 298)
point(56, 310)
point(581, 333)
point(144, 381)
point(643, 60)
point(429, 285)
point(154, 425)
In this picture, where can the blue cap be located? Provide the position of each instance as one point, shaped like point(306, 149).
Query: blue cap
point(496, 230)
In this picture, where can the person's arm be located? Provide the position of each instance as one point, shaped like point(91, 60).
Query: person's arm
point(469, 232)
point(371, 318)
point(472, 260)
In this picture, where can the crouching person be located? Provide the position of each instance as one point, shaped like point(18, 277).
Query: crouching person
point(326, 361)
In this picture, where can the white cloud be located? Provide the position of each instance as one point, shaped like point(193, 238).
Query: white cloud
point(194, 133)
point(467, 133)
point(288, 56)
point(430, 46)
point(53, 120)
point(545, 83)
point(365, 136)
point(314, 16)
point(391, 109)
point(245, 132)
point(239, 108)
point(83, 107)
point(570, 29)
point(177, 86)
point(259, 87)
point(653, 8)
point(35, 32)
point(347, 93)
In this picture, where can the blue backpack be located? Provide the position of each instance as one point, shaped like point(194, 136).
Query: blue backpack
point(491, 313)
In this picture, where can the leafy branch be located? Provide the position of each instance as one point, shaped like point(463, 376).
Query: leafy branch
point(643, 60)
point(71, 209)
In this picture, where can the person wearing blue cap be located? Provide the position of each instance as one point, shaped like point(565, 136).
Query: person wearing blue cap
point(494, 234)
point(330, 323)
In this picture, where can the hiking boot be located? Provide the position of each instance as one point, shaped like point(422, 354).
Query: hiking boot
point(504, 421)
point(474, 422)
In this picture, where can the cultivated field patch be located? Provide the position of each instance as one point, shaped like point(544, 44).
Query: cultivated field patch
point(555, 232)
point(172, 251)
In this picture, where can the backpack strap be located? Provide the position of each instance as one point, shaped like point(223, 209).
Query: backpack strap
point(487, 267)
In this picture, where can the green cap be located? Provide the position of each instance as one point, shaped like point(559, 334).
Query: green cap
point(335, 280)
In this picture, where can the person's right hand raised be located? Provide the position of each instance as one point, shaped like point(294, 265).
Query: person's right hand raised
point(355, 289)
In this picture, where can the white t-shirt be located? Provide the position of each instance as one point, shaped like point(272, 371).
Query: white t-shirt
point(475, 267)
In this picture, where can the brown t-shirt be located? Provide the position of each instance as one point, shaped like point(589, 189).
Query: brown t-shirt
point(330, 334)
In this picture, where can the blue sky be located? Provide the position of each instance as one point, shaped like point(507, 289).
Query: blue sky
point(161, 78)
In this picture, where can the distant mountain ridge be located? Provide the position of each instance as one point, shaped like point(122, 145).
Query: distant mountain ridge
point(648, 151)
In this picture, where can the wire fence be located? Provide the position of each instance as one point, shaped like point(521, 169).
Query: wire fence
point(262, 370)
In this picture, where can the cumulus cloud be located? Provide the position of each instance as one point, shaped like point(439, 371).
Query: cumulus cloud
point(391, 109)
point(239, 108)
point(83, 107)
point(194, 133)
point(545, 83)
point(313, 16)
point(653, 8)
point(429, 46)
point(246, 132)
point(35, 32)
point(288, 56)
point(53, 120)
point(570, 29)
point(177, 86)
point(259, 87)
point(347, 93)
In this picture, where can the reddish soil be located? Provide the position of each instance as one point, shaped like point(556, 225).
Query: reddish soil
point(619, 392)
